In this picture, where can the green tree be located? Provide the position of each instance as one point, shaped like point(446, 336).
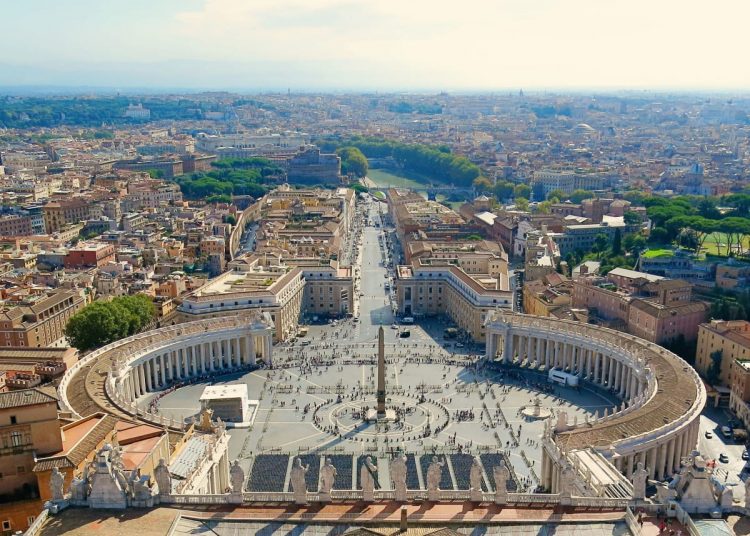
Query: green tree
point(600, 245)
point(103, 322)
point(522, 190)
point(353, 161)
point(482, 184)
point(714, 370)
point(741, 204)
point(631, 217)
point(579, 195)
point(617, 242)
point(707, 208)
point(230, 219)
point(522, 204)
point(634, 243)
point(559, 194)
point(545, 207)
point(503, 190)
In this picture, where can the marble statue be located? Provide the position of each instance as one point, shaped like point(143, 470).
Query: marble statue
point(299, 486)
point(237, 477)
point(142, 488)
point(79, 489)
point(56, 483)
point(163, 478)
point(562, 422)
point(567, 481)
point(367, 479)
point(640, 475)
point(398, 477)
point(475, 480)
point(434, 475)
point(327, 478)
point(501, 475)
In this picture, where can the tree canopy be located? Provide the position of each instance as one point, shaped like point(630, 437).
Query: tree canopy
point(230, 176)
point(101, 322)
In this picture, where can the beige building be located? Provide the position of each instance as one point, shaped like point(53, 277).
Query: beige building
point(29, 428)
point(739, 395)
point(438, 286)
point(654, 308)
point(40, 321)
point(729, 341)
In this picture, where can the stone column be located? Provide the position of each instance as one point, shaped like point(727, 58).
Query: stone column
point(629, 469)
point(267, 352)
point(201, 349)
point(149, 382)
point(251, 349)
point(507, 346)
point(611, 367)
point(142, 376)
point(211, 355)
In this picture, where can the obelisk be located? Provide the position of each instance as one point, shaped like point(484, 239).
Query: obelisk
point(381, 374)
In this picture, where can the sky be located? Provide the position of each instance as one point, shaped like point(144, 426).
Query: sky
point(379, 45)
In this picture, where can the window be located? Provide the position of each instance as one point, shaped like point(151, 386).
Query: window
point(13, 419)
point(6, 524)
point(20, 469)
point(15, 439)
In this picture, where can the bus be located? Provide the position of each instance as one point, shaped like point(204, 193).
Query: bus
point(562, 378)
point(450, 333)
point(407, 320)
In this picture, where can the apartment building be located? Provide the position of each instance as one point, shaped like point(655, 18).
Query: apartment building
point(58, 214)
point(657, 309)
point(720, 344)
point(739, 393)
point(29, 428)
point(89, 255)
point(39, 321)
point(16, 225)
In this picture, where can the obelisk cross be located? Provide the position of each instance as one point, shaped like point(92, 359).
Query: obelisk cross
point(381, 374)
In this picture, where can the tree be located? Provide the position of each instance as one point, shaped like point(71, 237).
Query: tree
point(545, 207)
point(600, 245)
point(103, 322)
point(741, 204)
point(617, 242)
point(230, 219)
point(522, 204)
point(630, 217)
point(579, 195)
point(482, 184)
point(559, 194)
point(353, 161)
point(707, 208)
point(659, 235)
point(503, 190)
point(522, 190)
point(634, 243)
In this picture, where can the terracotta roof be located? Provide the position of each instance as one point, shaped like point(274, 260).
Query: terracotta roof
point(26, 397)
point(83, 448)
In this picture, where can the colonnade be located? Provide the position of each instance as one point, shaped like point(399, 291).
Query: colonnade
point(594, 363)
point(652, 427)
point(192, 357)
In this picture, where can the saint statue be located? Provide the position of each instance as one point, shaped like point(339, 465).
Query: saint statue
point(639, 482)
point(398, 477)
point(434, 475)
point(56, 483)
point(475, 479)
point(299, 486)
point(327, 478)
point(367, 479)
point(237, 477)
point(501, 475)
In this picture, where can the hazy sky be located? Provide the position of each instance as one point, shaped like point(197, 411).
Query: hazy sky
point(376, 44)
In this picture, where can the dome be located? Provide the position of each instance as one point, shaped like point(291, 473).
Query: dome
point(583, 127)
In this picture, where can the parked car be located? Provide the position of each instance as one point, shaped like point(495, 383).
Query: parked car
point(709, 434)
point(723, 458)
point(745, 455)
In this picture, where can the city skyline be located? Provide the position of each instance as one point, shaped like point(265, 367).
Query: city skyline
point(352, 45)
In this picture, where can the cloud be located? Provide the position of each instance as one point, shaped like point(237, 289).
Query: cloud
point(437, 43)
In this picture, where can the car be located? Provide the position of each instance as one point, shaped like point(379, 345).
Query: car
point(709, 434)
point(746, 455)
point(394, 326)
point(405, 334)
point(459, 345)
point(723, 458)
